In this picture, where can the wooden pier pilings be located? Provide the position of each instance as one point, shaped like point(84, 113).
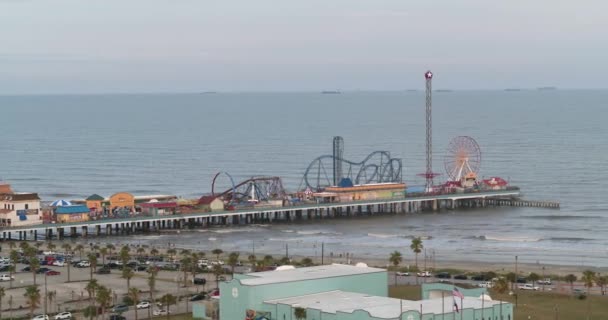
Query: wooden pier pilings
point(523, 203)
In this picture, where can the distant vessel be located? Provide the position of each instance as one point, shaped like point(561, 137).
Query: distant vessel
point(209, 92)
point(546, 88)
point(512, 89)
point(331, 92)
point(443, 90)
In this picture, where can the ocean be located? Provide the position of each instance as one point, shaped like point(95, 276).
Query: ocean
point(551, 143)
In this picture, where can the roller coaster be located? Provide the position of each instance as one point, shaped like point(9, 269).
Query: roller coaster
point(377, 167)
point(252, 190)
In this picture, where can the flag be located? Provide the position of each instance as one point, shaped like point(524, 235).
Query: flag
point(457, 293)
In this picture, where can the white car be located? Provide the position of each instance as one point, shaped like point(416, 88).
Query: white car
point(217, 262)
point(6, 277)
point(402, 274)
point(83, 264)
point(425, 274)
point(487, 284)
point(528, 286)
point(546, 281)
point(143, 305)
point(41, 317)
point(58, 263)
point(161, 312)
point(63, 315)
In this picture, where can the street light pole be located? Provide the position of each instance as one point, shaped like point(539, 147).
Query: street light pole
point(516, 281)
point(46, 298)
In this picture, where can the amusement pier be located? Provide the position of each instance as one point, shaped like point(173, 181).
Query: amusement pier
point(332, 187)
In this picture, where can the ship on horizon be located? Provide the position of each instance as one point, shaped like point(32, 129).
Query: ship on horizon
point(331, 92)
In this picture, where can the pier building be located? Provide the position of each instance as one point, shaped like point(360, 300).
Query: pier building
point(18, 209)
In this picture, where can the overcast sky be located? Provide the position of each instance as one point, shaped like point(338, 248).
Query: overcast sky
point(85, 46)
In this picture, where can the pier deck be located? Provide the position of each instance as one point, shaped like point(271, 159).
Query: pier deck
point(270, 214)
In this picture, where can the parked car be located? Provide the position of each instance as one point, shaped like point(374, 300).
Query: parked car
point(58, 263)
point(197, 297)
point(461, 277)
point(486, 284)
point(63, 315)
point(120, 308)
point(4, 268)
point(52, 273)
point(527, 286)
point(546, 281)
point(43, 270)
point(217, 262)
point(200, 281)
point(103, 270)
point(41, 317)
point(6, 277)
point(143, 305)
point(443, 275)
point(161, 312)
point(402, 274)
point(522, 280)
point(26, 269)
point(83, 264)
point(424, 274)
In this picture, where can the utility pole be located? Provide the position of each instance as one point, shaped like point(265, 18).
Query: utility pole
point(516, 281)
point(322, 252)
point(46, 297)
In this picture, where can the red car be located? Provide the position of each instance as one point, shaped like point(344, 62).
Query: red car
point(53, 273)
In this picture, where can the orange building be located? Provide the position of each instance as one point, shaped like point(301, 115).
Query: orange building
point(122, 199)
point(95, 202)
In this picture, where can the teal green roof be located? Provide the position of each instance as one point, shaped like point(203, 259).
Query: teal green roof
point(95, 197)
point(72, 209)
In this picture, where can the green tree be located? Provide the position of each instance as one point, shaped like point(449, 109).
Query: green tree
point(152, 284)
point(110, 248)
point(186, 265)
point(154, 252)
point(92, 263)
point(50, 246)
point(217, 271)
point(50, 296)
point(512, 277)
point(172, 252)
point(307, 262)
point(570, 278)
point(80, 249)
point(502, 285)
point(34, 266)
point(134, 295)
point(168, 300)
point(417, 247)
point(233, 260)
point(13, 268)
point(32, 296)
point(103, 252)
point(268, 260)
point(67, 248)
point(533, 277)
point(217, 252)
point(588, 279)
point(2, 294)
point(104, 298)
point(601, 282)
point(140, 252)
point(185, 252)
point(91, 289)
point(395, 258)
point(128, 274)
point(299, 313)
point(194, 265)
point(252, 260)
point(124, 255)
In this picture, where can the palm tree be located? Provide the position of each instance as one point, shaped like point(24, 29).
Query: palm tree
point(133, 293)
point(80, 249)
point(601, 282)
point(32, 295)
point(185, 252)
point(50, 296)
point(127, 273)
point(588, 279)
point(511, 277)
point(68, 250)
point(154, 252)
point(217, 253)
point(13, 268)
point(34, 266)
point(252, 260)
point(2, 294)
point(299, 313)
point(50, 246)
point(140, 252)
point(395, 259)
point(110, 248)
point(570, 279)
point(217, 271)
point(194, 266)
point(417, 247)
point(91, 289)
point(186, 264)
point(268, 260)
point(168, 300)
point(104, 297)
point(10, 306)
point(124, 255)
point(233, 260)
point(38, 245)
point(533, 277)
point(152, 284)
point(501, 285)
point(103, 252)
point(92, 262)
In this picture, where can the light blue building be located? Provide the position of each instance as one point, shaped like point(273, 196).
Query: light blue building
point(344, 292)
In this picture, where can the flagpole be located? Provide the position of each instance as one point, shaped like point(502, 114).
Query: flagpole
point(442, 305)
point(461, 307)
point(482, 304)
point(421, 311)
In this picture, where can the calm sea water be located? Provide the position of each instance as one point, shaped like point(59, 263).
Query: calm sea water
point(550, 143)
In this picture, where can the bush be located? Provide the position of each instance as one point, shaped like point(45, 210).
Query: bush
point(128, 301)
point(582, 296)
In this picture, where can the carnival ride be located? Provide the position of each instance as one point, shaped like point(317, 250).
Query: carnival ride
point(462, 161)
point(252, 190)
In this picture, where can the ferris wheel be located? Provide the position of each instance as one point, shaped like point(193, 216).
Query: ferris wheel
point(462, 159)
